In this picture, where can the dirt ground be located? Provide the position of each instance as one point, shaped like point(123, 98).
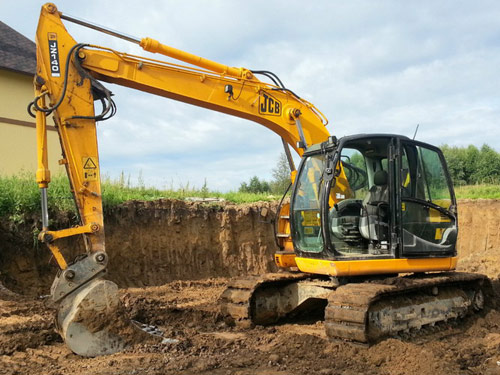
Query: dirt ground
point(188, 312)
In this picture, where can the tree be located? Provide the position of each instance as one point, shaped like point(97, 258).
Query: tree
point(255, 186)
point(281, 175)
point(277, 186)
point(487, 166)
point(469, 165)
point(455, 158)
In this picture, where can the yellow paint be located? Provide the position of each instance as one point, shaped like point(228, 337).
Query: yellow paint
point(407, 180)
point(284, 228)
point(374, 266)
point(58, 256)
point(204, 87)
point(18, 143)
point(43, 171)
point(63, 233)
point(285, 260)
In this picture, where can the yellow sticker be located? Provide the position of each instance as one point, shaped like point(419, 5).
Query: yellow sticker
point(436, 216)
point(89, 168)
point(439, 233)
point(311, 218)
point(308, 230)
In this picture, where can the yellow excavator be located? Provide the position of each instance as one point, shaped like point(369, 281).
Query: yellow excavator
point(363, 209)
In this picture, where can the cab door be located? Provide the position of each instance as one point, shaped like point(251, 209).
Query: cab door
point(428, 218)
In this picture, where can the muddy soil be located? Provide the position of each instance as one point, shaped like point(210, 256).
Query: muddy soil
point(187, 310)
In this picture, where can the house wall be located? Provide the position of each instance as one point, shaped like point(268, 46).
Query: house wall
point(17, 127)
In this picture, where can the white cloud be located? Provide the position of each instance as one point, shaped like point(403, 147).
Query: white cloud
point(369, 66)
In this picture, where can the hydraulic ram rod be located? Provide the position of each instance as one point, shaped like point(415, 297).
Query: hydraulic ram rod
point(152, 45)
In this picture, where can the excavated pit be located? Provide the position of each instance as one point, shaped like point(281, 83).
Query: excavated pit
point(152, 243)
point(173, 260)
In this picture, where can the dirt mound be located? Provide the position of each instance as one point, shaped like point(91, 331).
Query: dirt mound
point(24, 323)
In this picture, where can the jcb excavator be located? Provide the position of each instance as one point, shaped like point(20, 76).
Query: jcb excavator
point(363, 208)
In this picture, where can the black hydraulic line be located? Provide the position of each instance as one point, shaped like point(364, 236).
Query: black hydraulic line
point(276, 81)
point(34, 103)
point(271, 76)
point(101, 92)
point(286, 90)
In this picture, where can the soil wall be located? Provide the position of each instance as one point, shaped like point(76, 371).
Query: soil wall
point(172, 240)
point(152, 243)
point(479, 236)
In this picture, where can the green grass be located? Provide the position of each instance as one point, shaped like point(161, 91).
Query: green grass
point(481, 191)
point(114, 193)
point(20, 196)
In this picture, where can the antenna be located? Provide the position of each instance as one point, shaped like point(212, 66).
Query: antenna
point(416, 130)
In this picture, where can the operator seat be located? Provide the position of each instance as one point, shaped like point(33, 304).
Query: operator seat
point(373, 224)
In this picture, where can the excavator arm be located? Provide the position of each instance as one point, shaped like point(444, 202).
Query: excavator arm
point(67, 85)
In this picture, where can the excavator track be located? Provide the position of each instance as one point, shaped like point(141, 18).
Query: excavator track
point(361, 312)
point(367, 312)
point(240, 301)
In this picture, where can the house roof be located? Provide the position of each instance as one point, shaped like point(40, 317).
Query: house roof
point(17, 52)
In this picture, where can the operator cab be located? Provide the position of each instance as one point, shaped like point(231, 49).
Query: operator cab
point(373, 196)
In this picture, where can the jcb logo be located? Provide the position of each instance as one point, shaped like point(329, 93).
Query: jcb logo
point(269, 105)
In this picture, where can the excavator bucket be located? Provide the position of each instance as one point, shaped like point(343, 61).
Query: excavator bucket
point(91, 319)
point(84, 318)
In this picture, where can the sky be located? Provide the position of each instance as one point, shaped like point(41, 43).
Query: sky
point(369, 66)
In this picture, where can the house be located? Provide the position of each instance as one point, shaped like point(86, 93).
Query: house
point(17, 128)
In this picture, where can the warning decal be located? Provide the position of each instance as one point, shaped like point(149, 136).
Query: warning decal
point(89, 169)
